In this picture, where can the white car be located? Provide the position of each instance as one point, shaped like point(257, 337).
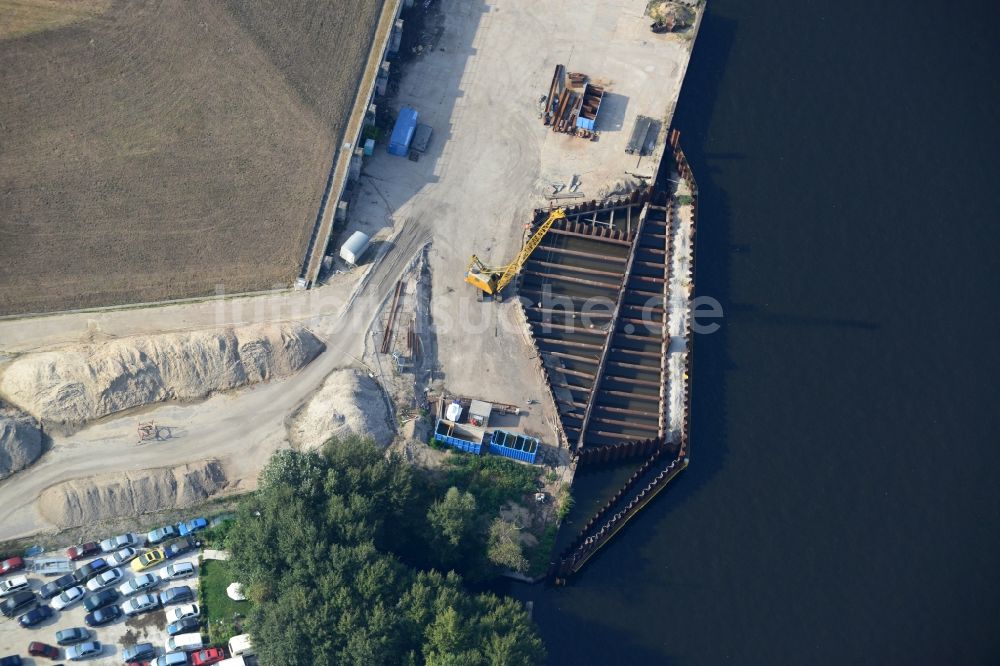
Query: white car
point(13, 584)
point(68, 597)
point(122, 556)
point(178, 570)
point(178, 613)
point(120, 541)
point(105, 578)
point(140, 604)
point(138, 584)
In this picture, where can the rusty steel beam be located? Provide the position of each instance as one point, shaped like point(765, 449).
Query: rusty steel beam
point(599, 239)
point(626, 394)
point(637, 352)
point(637, 382)
point(623, 410)
point(572, 387)
point(595, 313)
point(643, 292)
point(566, 278)
point(609, 209)
point(571, 267)
point(614, 323)
point(574, 357)
point(570, 343)
point(574, 329)
point(578, 253)
point(627, 424)
point(633, 366)
point(573, 373)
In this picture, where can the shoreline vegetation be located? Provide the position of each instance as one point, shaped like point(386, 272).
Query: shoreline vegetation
point(350, 555)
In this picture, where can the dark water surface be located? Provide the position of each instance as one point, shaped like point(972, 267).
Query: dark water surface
point(843, 502)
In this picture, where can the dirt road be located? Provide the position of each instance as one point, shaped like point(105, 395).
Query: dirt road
point(240, 429)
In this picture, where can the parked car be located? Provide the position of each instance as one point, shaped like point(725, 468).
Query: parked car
point(17, 602)
point(206, 657)
point(100, 600)
point(191, 526)
point(72, 635)
point(12, 585)
point(35, 616)
point(140, 604)
point(177, 570)
point(176, 595)
point(185, 626)
point(69, 597)
point(90, 569)
point(120, 557)
point(138, 584)
point(138, 652)
point(178, 613)
point(120, 541)
point(161, 534)
point(148, 559)
point(54, 587)
point(11, 565)
point(187, 642)
point(104, 579)
point(15, 660)
point(38, 649)
point(178, 547)
point(171, 659)
point(102, 616)
point(84, 650)
point(83, 550)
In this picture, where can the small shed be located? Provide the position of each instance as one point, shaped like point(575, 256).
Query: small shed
point(355, 247)
point(402, 132)
point(479, 413)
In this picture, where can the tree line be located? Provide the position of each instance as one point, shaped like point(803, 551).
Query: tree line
point(343, 551)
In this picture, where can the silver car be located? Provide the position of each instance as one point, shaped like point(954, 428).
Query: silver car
point(138, 584)
point(120, 541)
point(140, 604)
point(105, 578)
point(122, 556)
point(178, 570)
point(68, 597)
point(83, 651)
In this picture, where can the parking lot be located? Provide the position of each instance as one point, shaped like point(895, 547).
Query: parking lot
point(145, 627)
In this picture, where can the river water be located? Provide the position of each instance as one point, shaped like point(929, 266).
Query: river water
point(842, 503)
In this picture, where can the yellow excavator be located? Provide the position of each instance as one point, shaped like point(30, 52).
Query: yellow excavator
point(492, 280)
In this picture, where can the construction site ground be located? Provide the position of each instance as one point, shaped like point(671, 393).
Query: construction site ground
point(490, 162)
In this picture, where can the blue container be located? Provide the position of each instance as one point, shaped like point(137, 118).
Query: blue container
point(515, 446)
point(444, 433)
point(402, 132)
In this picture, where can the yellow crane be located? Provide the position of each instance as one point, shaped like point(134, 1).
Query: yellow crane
point(491, 280)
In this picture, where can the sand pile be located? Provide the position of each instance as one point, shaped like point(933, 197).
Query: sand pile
point(80, 383)
point(20, 440)
point(93, 499)
point(349, 403)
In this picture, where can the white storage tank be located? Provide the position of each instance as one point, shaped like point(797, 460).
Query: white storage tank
point(355, 247)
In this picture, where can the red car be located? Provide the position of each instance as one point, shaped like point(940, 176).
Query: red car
point(209, 656)
point(13, 564)
point(76, 552)
point(36, 649)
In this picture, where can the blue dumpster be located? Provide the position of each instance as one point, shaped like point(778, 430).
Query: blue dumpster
point(402, 132)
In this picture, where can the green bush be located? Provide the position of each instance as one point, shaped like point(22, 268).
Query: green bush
point(492, 480)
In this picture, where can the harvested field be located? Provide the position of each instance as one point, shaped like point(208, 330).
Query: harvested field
point(159, 149)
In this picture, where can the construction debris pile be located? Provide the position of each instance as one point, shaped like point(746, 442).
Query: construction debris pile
point(572, 104)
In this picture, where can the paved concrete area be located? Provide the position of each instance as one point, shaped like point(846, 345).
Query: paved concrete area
point(145, 628)
point(491, 160)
